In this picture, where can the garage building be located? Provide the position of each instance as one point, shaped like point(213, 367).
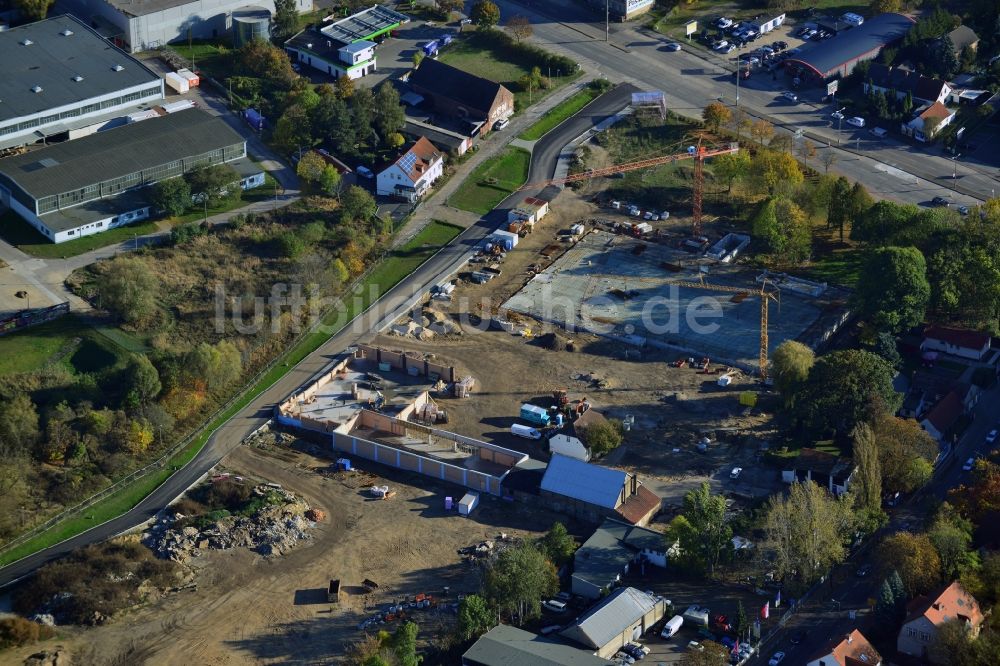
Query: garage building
point(837, 56)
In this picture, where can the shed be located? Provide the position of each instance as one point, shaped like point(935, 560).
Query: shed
point(569, 446)
point(624, 616)
point(467, 504)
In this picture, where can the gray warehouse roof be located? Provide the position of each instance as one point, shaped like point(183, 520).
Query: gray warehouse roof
point(509, 646)
point(117, 152)
point(826, 56)
point(144, 7)
point(619, 611)
point(52, 58)
point(613, 545)
point(588, 483)
point(364, 25)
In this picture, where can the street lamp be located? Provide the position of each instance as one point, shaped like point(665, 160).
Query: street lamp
point(954, 166)
point(607, 20)
point(840, 123)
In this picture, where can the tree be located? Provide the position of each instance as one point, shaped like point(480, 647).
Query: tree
point(845, 388)
point(18, 424)
point(951, 536)
point(389, 114)
point(790, 366)
point(716, 115)
point(731, 167)
point(883, 223)
point(172, 196)
point(914, 557)
point(340, 270)
point(130, 290)
point(474, 617)
point(858, 201)
point(792, 237)
point(890, 606)
point(449, 6)
point(485, 14)
point(885, 7)
point(905, 452)
point(217, 365)
point(404, 644)
point(357, 205)
point(839, 213)
point(418, 57)
point(143, 380)
point(741, 624)
point(807, 531)
point(395, 141)
point(885, 346)
point(944, 61)
point(137, 438)
point(892, 291)
point(557, 544)
point(775, 171)
point(807, 149)
point(519, 27)
point(982, 496)
point(286, 20)
point(329, 180)
point(603, 437)
point(762, 131)
point(34, 10)
point(517, 579)
point(293, 131)
point(869, 493)
point(344, 86)
point(711, 654)
point(828, 158)
point(213, 184)
point(706, 534)
point(261, 59)
point(310, 167)
point(363, 113)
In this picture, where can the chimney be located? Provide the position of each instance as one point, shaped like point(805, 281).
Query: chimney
point(850, 639)
point(936, 605)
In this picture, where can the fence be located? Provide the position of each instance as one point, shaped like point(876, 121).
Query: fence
point(27, 318)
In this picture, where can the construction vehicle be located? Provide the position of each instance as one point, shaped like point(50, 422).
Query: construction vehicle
point(698, 153)
point(561, 397)
point(741, 293)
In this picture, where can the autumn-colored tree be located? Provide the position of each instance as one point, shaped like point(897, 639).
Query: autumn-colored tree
point(716, 115)
point(982, 495)
point(775, 171)
point(905, 452)
point(344, 87)
point(310, 167)
point(353, 257)
point(914, 557)
point(762, 130)
point(183, 402)
point(34, 10)
point(519, 27)
point(140, 436)
point(485, 14)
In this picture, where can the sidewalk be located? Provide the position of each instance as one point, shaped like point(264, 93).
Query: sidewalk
point(437, 207)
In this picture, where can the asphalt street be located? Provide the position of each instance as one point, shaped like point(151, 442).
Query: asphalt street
point(692, 80)
point(390, 307)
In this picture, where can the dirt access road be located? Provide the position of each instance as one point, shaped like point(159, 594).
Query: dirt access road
point(247, 610)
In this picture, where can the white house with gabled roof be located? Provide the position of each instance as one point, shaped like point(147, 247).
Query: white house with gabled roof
point(413, 172)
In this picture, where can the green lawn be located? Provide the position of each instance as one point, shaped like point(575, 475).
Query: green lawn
point(209, 57)
point(841, 267)
point(492, 182)
point(394, 268)
point(559, 113)
point(86, 350)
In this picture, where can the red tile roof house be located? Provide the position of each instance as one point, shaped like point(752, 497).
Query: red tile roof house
point(942, 417)
point(413, 172)
point(852, 650)
point(926, 614)
point(454, 92)
point(958, 342)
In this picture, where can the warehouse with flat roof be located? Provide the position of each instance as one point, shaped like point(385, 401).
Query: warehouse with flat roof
point(838, 56)
point(77, 188)
point(60, 76)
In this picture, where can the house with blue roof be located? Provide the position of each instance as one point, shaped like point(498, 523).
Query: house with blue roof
point(594, 492)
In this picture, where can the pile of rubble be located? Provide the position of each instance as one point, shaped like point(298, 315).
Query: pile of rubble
point(425, 325)
point(272, 531)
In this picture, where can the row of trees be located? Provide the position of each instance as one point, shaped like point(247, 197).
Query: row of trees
point(206, 186)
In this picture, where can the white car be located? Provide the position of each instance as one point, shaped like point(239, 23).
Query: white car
point(728, 48)
point(721, 45)
point(857, 121)
point(735, 474)
point(969, 464)
point(554, 606)
point(837, 115)
point(991, 437)
point(723, 23)
point(776, 659)
point(673, 46)
point(790, 96)
point(500, 124)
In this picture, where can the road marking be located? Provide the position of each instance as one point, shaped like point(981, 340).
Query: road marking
point(898, 173)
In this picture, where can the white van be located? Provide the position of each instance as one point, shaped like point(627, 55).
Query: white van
point(525, 431)
point(554, 605)
point(852, 18)
point(672, 626)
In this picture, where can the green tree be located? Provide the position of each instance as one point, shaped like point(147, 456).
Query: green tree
point(882, 223)
point(558, 545)
point(741, 624)
point(885, 7)
point(34, 10)
point(885, 346)
point(129, 289)
point(706, 535)
point(218, 365)
point(716, 115)
point(357, 205)
point(951, 535)
point(603, 437)
point(892, 291)
point(905, 452)
point(390, 116)
point(404, 644)
point(474, 617)
point(340, 270)
point(839, 214)
point(914, 557)
point(944, 60)
point(143, 380)
point(172, 196)
point(329, 180)
point(286, 21)
point(214, 184)
point(887, 606)
point(731, 167)
point(845, 388)
point(294, 131)
point(869, 482)
point(485, 14)
point(517, 579)
point(790, 366)
point(807, 531)
point(18, 423)
point(362, 106)
point(310, 167)
point(418, 57)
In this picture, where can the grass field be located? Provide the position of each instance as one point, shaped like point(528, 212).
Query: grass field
point(839, 267)
point(559, 113)
point(394, 268)
point(85, 349)
point(492, 182)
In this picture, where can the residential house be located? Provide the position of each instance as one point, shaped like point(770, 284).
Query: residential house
point(926, 614)
point(940, 420)
point(610, 552)
point(825, 469)
point(478, 102)
point(622, 617)
point(593, 492)
point(957, 342)
point(923, 89)
point(413, 172)
point(928, 121)
point(851, 650)
point(570, 446)
point(963, 37)
point(504, 645)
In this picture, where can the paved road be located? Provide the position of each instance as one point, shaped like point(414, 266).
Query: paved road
point(386, 310)
point(889, 169)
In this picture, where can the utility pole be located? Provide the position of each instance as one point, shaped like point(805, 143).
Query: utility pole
point(607, 20)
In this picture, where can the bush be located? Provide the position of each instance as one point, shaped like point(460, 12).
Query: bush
point(16, 631)
point(183, 233)
point(601, 85)
point(226, 494)
point(529, 54)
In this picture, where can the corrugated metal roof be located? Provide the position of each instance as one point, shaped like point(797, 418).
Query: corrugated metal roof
point(61, 48)
point(827, 55)
point(509, 646)
point(588, 483)
point(118, 152)
point(613, 545)
point(618, 612)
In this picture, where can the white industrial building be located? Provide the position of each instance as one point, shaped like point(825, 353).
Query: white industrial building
point(62, 78)
point(140, 25)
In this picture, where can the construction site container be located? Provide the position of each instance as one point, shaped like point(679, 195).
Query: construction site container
point(179, 105)
point(192, 78)
point(177, 82)
point(333, 592)
point(448, 503)
point(696, 616)
point(143, 115)
point(431, 47)
point(535, 414)
point(577, 230)
point(527, 432)
point(468, 503)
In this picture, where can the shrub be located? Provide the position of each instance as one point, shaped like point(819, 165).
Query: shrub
point(16, 631)
point(600, 85)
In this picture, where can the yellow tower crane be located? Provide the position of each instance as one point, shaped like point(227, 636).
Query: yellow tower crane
point(765, 298)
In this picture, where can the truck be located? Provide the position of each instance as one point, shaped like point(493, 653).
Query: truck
point(696, 616)
point(535, 414)
point(431, 48)
point(527, 432)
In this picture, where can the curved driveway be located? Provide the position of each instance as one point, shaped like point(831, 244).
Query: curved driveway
point(391, 306)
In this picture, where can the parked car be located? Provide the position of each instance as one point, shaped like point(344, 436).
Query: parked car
point(852, 18)
point(554, 605)
point(837, 115)
point(991, 436)
point(500, 124)
point(721, 45)
point(624, 657)
point(673, 46)
point(695, 646)
point(797, 637)
point(969, 464)
point(735, 474)
point(857, 121)
point(790, 96)
point(810, 33)
point(723, 23)
point(776, 659)
point(963, 210)
point(563, 597)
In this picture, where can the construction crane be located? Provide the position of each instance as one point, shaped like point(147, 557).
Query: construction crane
point(765, 298)
point(698, 153)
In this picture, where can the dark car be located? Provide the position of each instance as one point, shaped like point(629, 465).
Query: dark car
point(797, 637)
point(864, 570)
point(940, 201)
